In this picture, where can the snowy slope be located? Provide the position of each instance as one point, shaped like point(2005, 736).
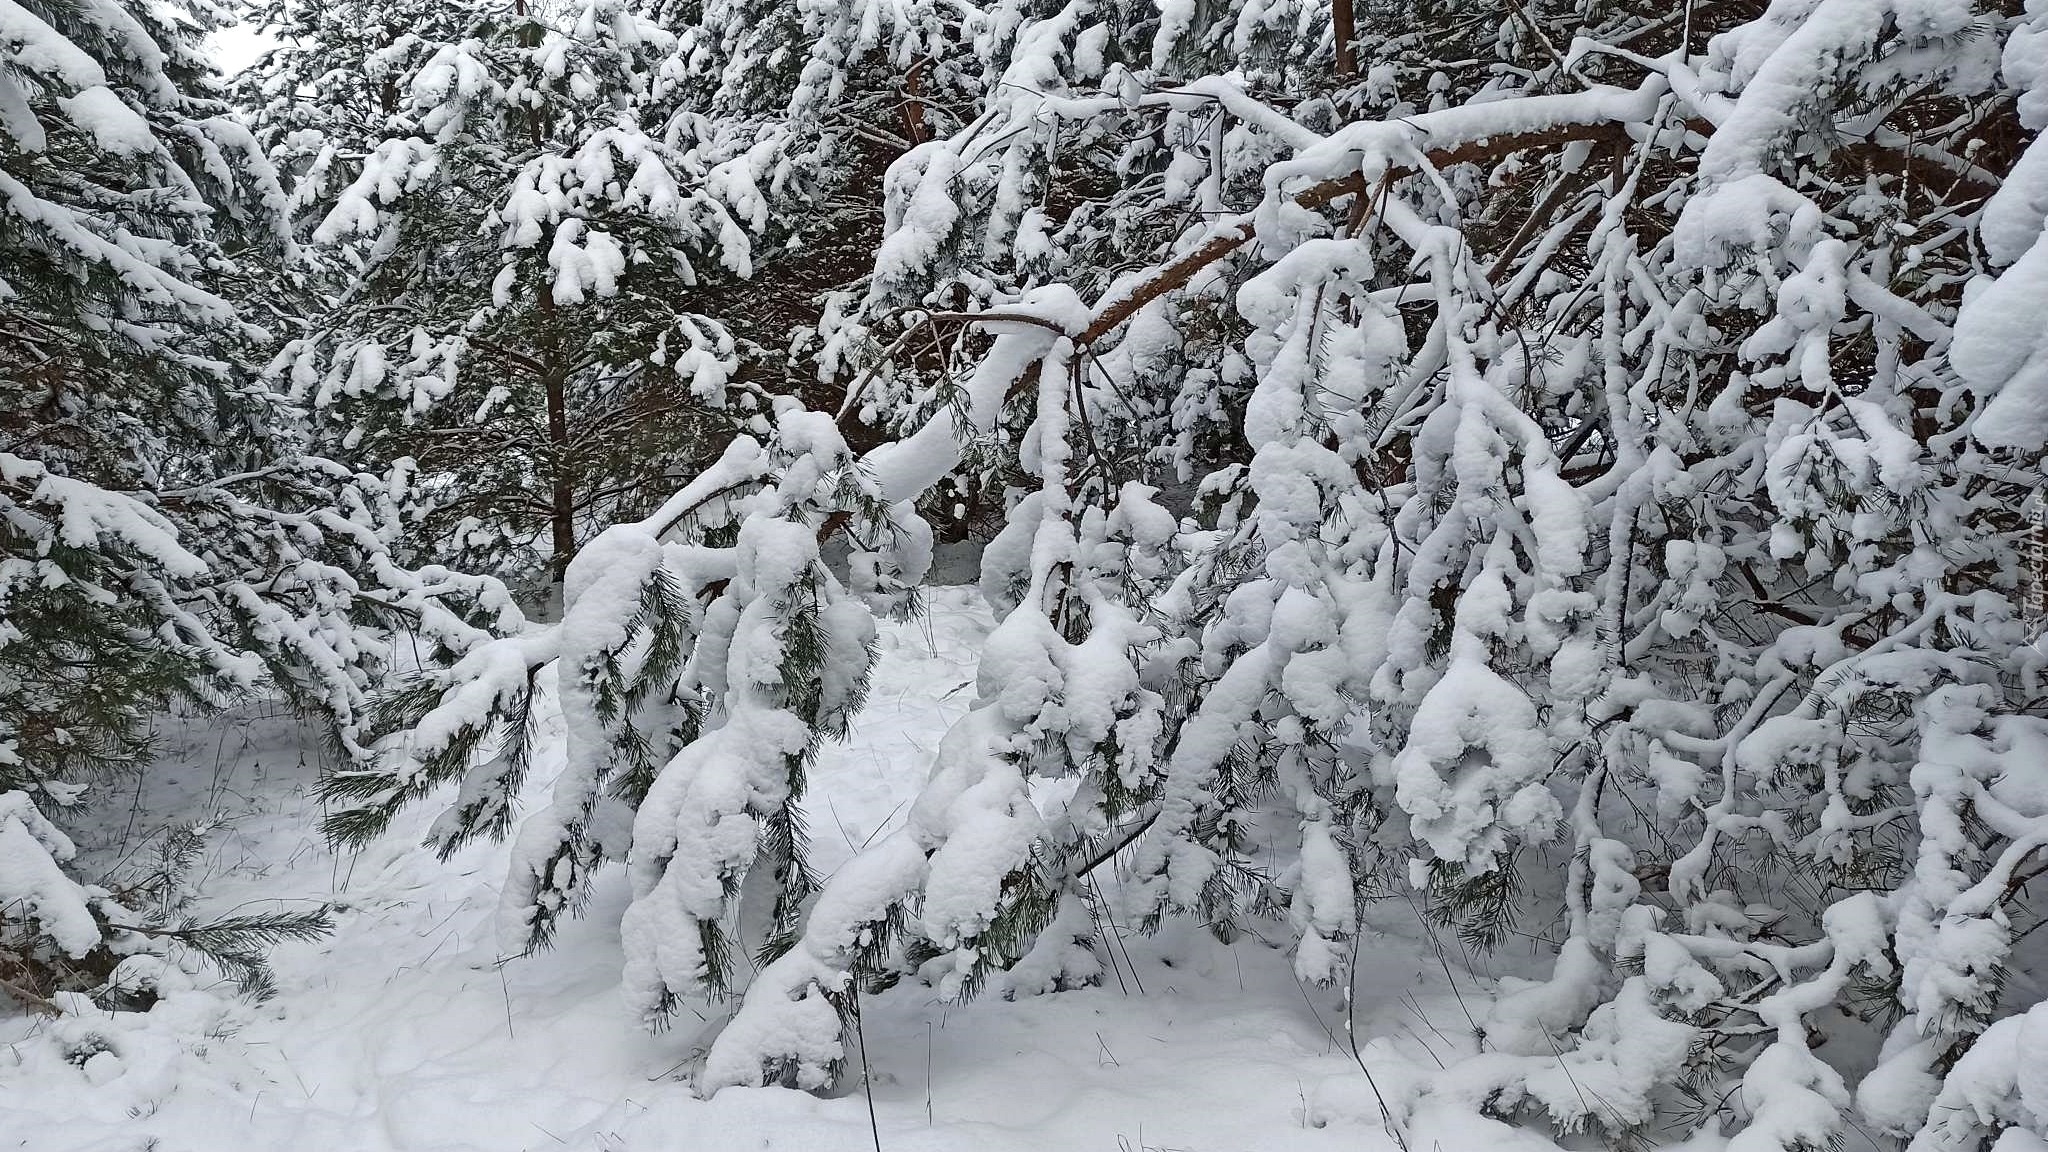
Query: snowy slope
point(403, 1032)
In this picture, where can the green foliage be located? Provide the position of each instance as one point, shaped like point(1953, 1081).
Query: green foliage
point(239, 946)
point(1482, 909)
point(447, 334)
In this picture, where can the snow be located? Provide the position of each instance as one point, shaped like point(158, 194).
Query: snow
point(408, 1030)
point(30, 850)
point(114, 126)
point(90, 516)
point(237, 46)
point(36, 48)
point(2016, 214)
point(1468, 775)
point(2001, 350)
point(1403, 643)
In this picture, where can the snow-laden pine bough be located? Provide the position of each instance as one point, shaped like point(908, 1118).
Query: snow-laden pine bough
point(1625, 477)
point(271, 585)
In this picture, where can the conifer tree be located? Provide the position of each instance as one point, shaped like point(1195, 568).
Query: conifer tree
point(164, 535)
point(512, 212)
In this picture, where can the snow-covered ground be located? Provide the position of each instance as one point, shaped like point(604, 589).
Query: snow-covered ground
point(403, 1031)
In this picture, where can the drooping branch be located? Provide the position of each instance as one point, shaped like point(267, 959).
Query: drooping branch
point(1238, 232)
point(1228, 236)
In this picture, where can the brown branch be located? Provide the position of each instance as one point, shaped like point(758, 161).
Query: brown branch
point(1178, 272)
point(493, 348)
point(1543, 213)
point(1103, 855)
point(1536, 31)
point(994, 318)
point(30, 999)
point(1764, 602)
point(839, 519)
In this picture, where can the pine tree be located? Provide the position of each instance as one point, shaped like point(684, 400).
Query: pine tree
point(516, 225)
point(164, 535)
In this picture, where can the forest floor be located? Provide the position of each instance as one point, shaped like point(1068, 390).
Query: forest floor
point(404, 1031)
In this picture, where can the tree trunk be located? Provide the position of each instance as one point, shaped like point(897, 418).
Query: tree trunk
point(562, 501)
point(913, 103)
point(1343, 30)
point(561, 473)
